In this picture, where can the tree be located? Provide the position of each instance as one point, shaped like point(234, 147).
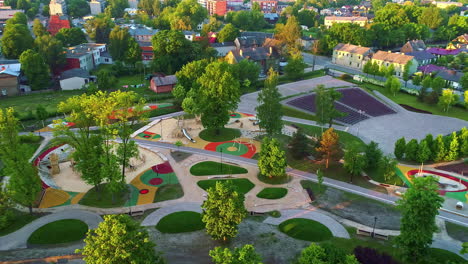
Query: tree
point(329, 146)
point(390, 71)
point(419, 204)
point(116, 8)
point(307, 17)
point(38, 28)
point(246, 20)
point(406, 72)
point(106, 80)
point(424, 152)
point(387, 166)
point(187, 78)
point(78, 8)
point(437, 84)
point(228, 33)
point(354, 162)
point(119, 239)
point(416, 80)
point(325, 105)
point(71, 36)
point(52, 51)
point(464, 142)
point(41, 114)
point(219, 94)
point(272, 160)
point(35, 69)
point(133, 54)
point(6, 212)
point(447, 99)
point(45, 11)
point(313, 254)
point(243, 255)
point(246, 72)
point(464, 81)
point(24, 184)
point(400, 148)
point(99, 28)
point(187, 15)
point(465, 96)
point(320, 180)
point(393, 85)
point(295, 67)
point(16, 39)
point(119, 42)
point(431, 17)
point(367, 68)
point(223, 211)
point(453, 150)
point(373, 154)
point(269, 112)
point(213, 25)
point(289, 34)
point(18, 18)
point(411, 150)
point(299, 144)
point(440, 151)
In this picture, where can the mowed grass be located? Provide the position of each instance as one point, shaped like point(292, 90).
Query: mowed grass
point(62, 231)
point(292, 112)
point(305, 229)
point(180, 222)
point(219, 135)
point(103, 198)
point(168, 192)
point(242, 185)
point(207, 168)
point(20, 219)
point(272, 193)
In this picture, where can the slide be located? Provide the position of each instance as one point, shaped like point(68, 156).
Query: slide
point(187, 135)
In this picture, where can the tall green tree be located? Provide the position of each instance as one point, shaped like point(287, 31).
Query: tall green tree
point(78, 8)
point(106, 80)
point(411, 150)
point(406, 72)
point(437, 84)
point(38, 28)
point(329, 146)
point(116, 8)
point(119, 40)
point(373, 154)
point(431, 17)
point(41, 114)
point(424, 152)
point(290, 33)
point(419, 204)
point(244, 255)
point(18, 18)
point(7, 215)
point(325, 105)
point(387, 166)
point(187, 15)
point(447, 99)
point(440, 152)
point(35, 69)
point(393, 85)
point(187, 85)
point(400, 148)
point(299, 144)
point(272, 160)
point(16, 39)
point(133, 54)
point(314, 253)
point(119, 239)
point(464, 142)
point(71, 36)
point(223, 211)
point(99, 28)
point(247, 73)
point(453, 148)
point(52, 51)
point(219, 94)
point(269, 112)
point(354, 162)
point(228, 33)
point(294, 70)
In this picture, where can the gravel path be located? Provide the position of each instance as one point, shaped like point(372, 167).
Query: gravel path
point(153, 218)
point(336, 228)
point(18, 239)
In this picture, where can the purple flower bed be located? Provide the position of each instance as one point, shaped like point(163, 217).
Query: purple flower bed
point(360, 100)
point(305, 102)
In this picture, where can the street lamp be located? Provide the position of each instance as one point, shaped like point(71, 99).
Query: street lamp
point(373, 229)
point(221, 164)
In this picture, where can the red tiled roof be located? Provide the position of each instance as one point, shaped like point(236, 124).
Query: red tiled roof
point(56, 23)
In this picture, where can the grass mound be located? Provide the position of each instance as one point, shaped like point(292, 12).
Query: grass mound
point(274, 180)
point(62, 231)
point(225, 134)
point(180, 222)
point(206, 168)
point(243, 185)
point(305, 229)
point(168, 192)
point(103, 197)
point(272, 193)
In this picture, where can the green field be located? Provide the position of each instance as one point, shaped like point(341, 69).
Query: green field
point(181, 222)
point(168, 192)
point(305, 229)
point(242, 185)
point(62, 231)
point(219, 135)
point(207, 168)
point(272, 193)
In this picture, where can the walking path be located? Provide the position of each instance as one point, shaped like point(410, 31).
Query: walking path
point(18, 239)
point(154, 218)
point(336, 228)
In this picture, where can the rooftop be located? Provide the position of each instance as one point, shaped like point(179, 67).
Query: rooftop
point(343, 18)
point(392, 57)
point(352, 48)
point(77, 72)
point(165, 80)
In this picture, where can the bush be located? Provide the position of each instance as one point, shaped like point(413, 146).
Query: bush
point(367, 255)
point(30, 138)
point(345, 77)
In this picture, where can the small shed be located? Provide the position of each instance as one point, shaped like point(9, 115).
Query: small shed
point(163, 84)
point(75, 79)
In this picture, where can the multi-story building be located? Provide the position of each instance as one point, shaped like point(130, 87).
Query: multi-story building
point(330, 20)
point(87, 56)
point(216, 7)
point(96, 7)
point(57, 7)
point(56, 23)
point(6, 14)
point(398, 60)
point(266, 6)
point(351, 55)
point(143, 34)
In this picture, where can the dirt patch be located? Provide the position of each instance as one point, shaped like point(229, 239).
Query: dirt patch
point(457, 168)
point(412, 109)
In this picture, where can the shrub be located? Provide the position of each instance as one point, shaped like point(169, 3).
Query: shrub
point(345, 77)
point(367, 255)
point(30, 138)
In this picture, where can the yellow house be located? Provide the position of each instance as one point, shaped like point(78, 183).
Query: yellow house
point(350, 55)
point(330, 20)
point(398, 60)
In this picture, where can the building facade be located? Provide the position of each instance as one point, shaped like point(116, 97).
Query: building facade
point(216, 7)
point(57, 7)
point(163, 84)
point(398, 60)
point(56, 23)
point(267, 6)
point(330, 20)
point(96, 7)
point(87, 56)
point(351, 55)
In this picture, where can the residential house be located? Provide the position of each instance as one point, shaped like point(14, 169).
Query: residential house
point(56, 23)
point(438, 52)
point(142, 33)
point(451, 77)
point(223, 48)
point(57, 7)
point(330, 20)
point(147, 53)
point(251, 39)
point(75, 79)
point(422, 57)
point(6, 14)
point(430, 68)
point(413, 45)
point(398, 60)
point(265, 57)
point(351, 55)
point(216, 7)
point(87, 56)
point(271, 18)
point(326, 11)
point(163, 84)
point(9, 78)
point(461, 42)
point(266, 6)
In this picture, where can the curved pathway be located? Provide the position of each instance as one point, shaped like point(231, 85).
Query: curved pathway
point(153, 218)
point(336, 228)
point(19, 238)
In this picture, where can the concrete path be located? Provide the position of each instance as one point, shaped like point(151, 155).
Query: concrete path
point(153, 218)
point(336, 228)
point(19, 238)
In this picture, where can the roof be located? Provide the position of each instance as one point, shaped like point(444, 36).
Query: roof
point(142, 31)
point(443, 52)
point(82, 50)
point(392, 57)
point(263, 35)
point(464, 37)
point(270, 42)
point(430, 68)
point(8, 13)
point(421, 55)
point(417, 44)
point(352, 48)
point(10, 67)
point(343, 18)
point(166, 80)
point(255, 54)
point(222, 44)
point(450, 75)
point(58, 22)
point(76, 72)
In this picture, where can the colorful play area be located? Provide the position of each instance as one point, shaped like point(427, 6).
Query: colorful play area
point(450, 184)
point(64, 186)
point(171, 130)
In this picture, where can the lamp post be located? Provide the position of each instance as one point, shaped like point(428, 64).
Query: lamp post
point(221, 164)
point(373, 229)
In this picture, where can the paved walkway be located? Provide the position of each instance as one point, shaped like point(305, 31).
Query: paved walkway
point(18, 239)
point(153, 218)
point(336, 228)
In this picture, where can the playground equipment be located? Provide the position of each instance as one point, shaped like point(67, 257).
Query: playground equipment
point(187, 135)
point(54, 164)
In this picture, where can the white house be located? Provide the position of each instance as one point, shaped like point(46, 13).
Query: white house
point(75, 79)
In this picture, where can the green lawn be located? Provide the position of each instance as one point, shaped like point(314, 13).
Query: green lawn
point(207, 168)
point(103, 198)
point(223, 134)
point(20, 219)
point(243, 185)
point(180, 222)
point(272, 193)
point(57, 232)
point(292, 112)
point(274, 180)
point(168, 192)
point(305, 229)
point(457, 231)
point(411, 100)
point(438, 255)
point(308, 184)
point(377, 175)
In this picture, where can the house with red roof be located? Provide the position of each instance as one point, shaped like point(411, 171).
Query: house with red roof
point(56, 23)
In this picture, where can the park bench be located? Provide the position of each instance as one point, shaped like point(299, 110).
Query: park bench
point(136, 213)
